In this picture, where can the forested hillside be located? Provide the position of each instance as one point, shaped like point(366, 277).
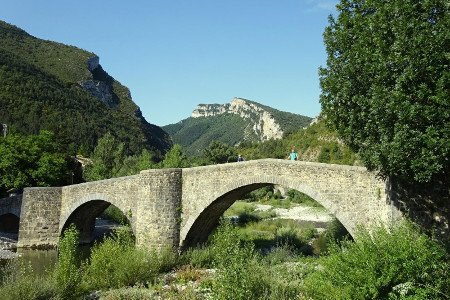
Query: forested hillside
point(50, 86)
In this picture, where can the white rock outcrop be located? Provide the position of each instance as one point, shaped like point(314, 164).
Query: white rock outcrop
point(264, 124)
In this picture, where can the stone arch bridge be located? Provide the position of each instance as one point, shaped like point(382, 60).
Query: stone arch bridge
point(180, 207)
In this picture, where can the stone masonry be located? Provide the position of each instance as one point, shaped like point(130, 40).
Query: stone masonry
point(180, 207)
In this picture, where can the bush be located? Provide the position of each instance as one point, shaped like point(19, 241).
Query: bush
point(335, 233)
point(402, 264)
point(67, 273)
point(261, 193)
point(115, 214)
point(117, 263)
point(200, 257)
point(237, 276)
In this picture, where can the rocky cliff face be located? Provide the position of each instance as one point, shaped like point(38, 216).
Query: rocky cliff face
point(264, 124)
point(100, 86)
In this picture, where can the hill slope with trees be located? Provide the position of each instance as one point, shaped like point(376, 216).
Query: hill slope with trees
point(50, 86)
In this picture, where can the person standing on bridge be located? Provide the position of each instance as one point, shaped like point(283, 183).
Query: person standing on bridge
point(293, 155)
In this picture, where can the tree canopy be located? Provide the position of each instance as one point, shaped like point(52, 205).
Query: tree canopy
point(33, 160)
point(386, 86)
point(219, 153)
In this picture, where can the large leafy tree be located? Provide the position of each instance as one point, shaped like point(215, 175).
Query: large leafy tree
point(107, 159)
point(219, 153)
point(386, 86)
point(33, 160)
point(174, 158)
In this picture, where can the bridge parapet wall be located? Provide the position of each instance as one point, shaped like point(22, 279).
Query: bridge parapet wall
point(39, 218)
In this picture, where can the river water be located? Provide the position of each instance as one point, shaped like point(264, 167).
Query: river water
point(42, 260)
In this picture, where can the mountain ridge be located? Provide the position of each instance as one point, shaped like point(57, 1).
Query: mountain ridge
point(240, 120)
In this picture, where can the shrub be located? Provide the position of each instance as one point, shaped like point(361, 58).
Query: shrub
point(19, 281)
point(335, 233)
point(200, 257)
point(117, 263)
point(128, 293)
point(67, 273)
point(401, 264)
point(237, 266)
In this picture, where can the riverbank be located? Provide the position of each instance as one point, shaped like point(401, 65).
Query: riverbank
point(8, 245)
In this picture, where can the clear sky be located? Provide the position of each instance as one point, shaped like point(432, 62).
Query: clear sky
point(173, 55)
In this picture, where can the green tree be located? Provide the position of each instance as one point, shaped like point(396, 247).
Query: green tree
point(174, 158)
point(387, 81)
point(133, 164)
point(67, 273)
point(33, 160)
point(108, 158)
point(219, 152)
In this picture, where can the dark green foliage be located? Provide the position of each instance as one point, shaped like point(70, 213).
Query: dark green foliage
point(219, 153)
point(386, 84)
point(40, 90)
point(298, 197)
point(109, 160)
point(196, 134)
point(115, 214)
point(263, 193)
point(402, 264)
point(117, 263)
point(175, 158)
point(33, 160)
point(133, 164)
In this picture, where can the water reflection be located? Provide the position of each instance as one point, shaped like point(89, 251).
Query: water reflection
point(40, 260)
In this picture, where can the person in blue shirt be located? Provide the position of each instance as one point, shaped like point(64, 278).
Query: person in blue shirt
point(293, 155)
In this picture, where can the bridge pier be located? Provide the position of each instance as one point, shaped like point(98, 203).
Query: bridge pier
point(39, 217)
point(159, 209)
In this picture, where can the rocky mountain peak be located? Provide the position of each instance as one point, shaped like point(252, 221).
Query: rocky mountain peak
point(262, 122)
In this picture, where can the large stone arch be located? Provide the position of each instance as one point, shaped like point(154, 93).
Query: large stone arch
point(352, 194)
point(83, 213)
point(199, 226)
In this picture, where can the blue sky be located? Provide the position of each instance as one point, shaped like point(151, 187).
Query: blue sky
point(176, 54)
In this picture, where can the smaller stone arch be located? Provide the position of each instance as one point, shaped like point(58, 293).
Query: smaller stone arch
point(9, 222)
point(84, 212)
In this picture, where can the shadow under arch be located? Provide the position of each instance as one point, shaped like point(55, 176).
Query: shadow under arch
point(209, 217)
point(9, 222)
point(84, 217)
